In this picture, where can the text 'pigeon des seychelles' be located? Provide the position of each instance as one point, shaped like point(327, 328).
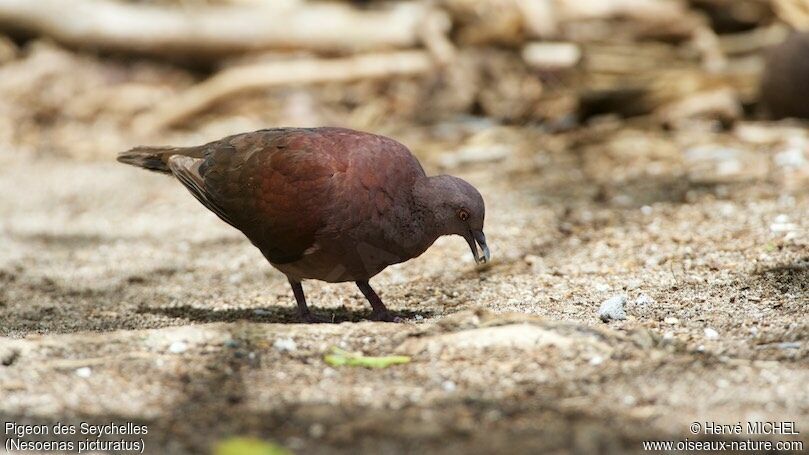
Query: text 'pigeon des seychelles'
point(328, 204)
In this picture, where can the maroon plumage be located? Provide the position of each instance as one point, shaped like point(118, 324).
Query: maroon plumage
point(329, 204)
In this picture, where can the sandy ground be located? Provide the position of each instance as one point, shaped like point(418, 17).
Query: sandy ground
point(124, 300)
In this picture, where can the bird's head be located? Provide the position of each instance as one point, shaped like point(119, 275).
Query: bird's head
point(458, 209)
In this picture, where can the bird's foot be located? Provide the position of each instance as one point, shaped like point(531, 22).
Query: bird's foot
point(311, 318)
point(385, 316)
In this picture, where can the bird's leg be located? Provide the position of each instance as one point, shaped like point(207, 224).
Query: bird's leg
point(303, 310)
point(380, 312)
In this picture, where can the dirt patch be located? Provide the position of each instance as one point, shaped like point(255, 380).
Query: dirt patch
point(124, 300)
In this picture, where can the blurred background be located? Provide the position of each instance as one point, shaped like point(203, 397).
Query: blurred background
point(654, 151)
point(86, 81)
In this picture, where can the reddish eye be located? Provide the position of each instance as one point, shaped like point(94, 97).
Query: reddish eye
point(463, 215)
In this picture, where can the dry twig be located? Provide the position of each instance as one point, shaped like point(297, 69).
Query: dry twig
point(216, 30)
point(264, 75)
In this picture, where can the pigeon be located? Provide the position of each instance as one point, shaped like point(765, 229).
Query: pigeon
point(329, 204)
point(784, 89)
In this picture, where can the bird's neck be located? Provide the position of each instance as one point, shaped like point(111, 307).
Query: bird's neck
point(422, 222)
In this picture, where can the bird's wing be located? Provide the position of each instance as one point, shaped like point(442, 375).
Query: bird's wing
point(287, 188)
point(273, 185)
point(186, 169)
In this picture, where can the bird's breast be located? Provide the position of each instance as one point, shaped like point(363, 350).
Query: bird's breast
point(348, 260)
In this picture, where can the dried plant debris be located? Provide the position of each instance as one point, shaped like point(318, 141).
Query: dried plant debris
point(340, 357)
point(248, 446)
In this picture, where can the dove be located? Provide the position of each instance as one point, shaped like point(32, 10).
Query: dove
point(328, 204)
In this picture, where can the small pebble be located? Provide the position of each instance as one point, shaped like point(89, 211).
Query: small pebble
point(84, 372)
point(787, 200)
point(727, 209)
point(317, 430)
point(729, 167)
point(633, 284)
point(671, 320)
point(597, 360)
point(653, 261)
point(448, 386)
point(711, 334)
point(782, 224)
point(285, 344)
point(295, 444)
point(791, 158)
point(613, 309)
point(178, 347)
point(643, 299)
point(623, 200)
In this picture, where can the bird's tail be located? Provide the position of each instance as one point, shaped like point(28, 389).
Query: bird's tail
point(156, 158)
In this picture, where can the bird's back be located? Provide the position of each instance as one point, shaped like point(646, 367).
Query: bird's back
point(319, 203)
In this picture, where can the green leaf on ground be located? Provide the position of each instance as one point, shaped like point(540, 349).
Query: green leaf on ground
point(340, 357)
point(248, 446)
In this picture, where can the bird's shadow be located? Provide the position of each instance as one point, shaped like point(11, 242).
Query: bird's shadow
point(787, 277)
point(271, 314)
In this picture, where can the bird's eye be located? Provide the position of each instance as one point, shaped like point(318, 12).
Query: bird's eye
point(463, 214)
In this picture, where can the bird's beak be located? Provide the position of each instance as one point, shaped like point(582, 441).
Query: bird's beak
point(477, 236)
